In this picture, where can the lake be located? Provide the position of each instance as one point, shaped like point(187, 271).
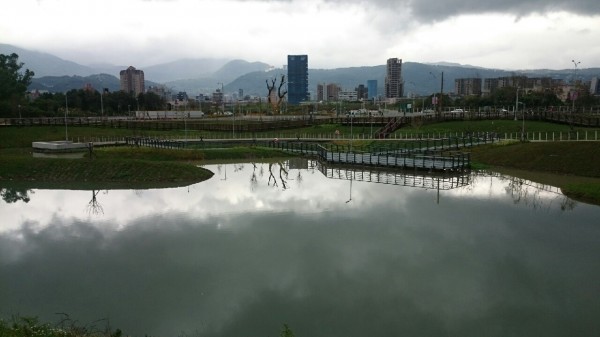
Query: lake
point(328, 251)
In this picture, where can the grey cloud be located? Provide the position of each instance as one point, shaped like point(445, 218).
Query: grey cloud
point(435, 10)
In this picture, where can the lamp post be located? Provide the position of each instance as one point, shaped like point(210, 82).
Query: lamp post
point(66, 112)
point(523, 118)
point(574, 90)
point(523, 128)
point(19, 107)
point(440, 101)
point(223, 105)
point(101, 104)
point(517, 103)
point(185, 123)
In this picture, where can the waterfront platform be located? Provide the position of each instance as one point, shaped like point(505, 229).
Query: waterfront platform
point(59, 146)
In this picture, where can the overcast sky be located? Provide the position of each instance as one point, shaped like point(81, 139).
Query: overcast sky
point(508, 34)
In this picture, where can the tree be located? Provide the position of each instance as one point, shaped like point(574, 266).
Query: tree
point(13, 83)
point(276, 101)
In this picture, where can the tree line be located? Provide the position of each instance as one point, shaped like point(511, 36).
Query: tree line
point(92, 103)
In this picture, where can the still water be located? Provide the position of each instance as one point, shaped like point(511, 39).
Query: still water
point(328, 251)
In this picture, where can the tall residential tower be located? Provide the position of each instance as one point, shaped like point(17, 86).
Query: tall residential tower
point(132, 81)
point(394, 86)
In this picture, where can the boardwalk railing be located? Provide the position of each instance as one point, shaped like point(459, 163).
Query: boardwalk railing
point(154, 142)
point(401, 158)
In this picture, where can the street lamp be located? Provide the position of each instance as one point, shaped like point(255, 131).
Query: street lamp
point(574, 90)
point(66, 112)
point(101, 104)
point(523, 117)
point(517, 104)
point(223, 104)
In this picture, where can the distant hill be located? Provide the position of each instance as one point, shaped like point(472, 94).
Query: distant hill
point(183, 69)
point(210, 82)
point(237, 68)
point(205, 75)
point(43, 64)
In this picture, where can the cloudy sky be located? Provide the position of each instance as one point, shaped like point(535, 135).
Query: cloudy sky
point(508, 34)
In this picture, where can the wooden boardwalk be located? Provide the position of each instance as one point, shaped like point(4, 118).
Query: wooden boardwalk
point(400, 158)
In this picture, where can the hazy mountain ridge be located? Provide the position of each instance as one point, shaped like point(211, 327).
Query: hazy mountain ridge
point(44, 64)
point(196, 76)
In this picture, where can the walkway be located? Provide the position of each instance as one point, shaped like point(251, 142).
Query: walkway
point(439, 156)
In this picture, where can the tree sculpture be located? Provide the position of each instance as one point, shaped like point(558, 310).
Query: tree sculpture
point(275, 101)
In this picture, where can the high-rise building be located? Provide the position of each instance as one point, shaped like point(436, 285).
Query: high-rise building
point(320, 92)
point(132, 81)
point(361, 92)
point(333, 92)
point(467, 86)
point(372, 88)
point(394, 86)
point(595, 86)
point(297, 67)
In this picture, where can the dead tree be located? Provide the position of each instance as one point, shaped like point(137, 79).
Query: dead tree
point(275, 101)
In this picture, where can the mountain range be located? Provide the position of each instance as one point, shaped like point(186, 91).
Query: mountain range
point(205, 75)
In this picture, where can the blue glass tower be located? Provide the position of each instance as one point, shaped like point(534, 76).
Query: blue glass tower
point(297, 79)
point(372, 89)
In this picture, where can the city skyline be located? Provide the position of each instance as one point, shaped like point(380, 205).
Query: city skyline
point(511, 35)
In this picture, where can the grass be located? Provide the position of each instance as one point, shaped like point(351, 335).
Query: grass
point(572, 166)
point(571, 158)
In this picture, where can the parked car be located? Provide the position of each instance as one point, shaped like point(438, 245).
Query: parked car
point(457, 111)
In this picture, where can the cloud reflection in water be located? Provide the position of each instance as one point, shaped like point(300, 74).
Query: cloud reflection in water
point(207, 261)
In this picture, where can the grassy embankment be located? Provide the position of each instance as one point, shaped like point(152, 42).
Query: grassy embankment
point(118, 167)
point(572, 166)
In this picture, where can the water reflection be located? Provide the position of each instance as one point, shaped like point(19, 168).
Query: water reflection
point(94, 206)
point(242, 256)
point(529, 193)
point(12, 194)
